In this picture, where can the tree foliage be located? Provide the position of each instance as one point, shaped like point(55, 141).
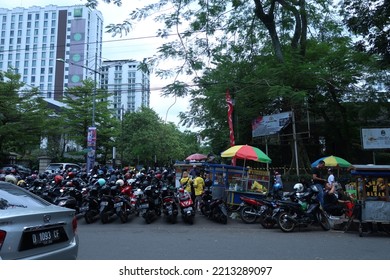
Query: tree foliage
point(147, 140)
point(23, 116)
point(78, 114)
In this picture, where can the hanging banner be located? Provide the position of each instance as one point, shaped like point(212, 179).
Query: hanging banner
point(229, 102)
point(271, 124)
point(91, 147)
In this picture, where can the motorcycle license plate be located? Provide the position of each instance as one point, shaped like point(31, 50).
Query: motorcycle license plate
point(144, 206)
point(118, 204)
point(188, 209)
point(104, 203)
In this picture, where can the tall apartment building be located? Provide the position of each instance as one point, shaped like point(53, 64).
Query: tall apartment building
point(35, 41)
point(129, 87)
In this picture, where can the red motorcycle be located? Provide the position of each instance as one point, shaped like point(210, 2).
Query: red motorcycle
point(252, 209)
point(186, 206)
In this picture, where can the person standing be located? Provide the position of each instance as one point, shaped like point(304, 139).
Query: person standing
point(331, 179)
point(186, 182)
point(199, 185)
point(318, 180)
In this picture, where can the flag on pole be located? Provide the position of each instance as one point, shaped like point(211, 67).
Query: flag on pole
point(229, 102)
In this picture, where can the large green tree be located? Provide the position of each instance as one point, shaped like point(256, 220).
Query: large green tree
point(263, 52)
point(23, 116)
point(81, 106)
point(147, 140)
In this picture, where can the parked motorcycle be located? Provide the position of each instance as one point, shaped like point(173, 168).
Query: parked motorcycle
point(107, 209)
point(304, 209)
point(93, 205)
point(252, 209)
point(169, 204)
point(124, 208)
point(186, 206)
point(150, 204)
point(214, 209)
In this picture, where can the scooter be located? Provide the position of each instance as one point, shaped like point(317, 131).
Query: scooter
point(214, 209)
point(186, 206)
point(169, 205)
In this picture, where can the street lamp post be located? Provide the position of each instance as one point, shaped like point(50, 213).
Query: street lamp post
point(92, 131)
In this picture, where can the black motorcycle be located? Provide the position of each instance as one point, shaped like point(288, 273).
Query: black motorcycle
point(214, 209)
point(304, 209)
point(123, 204)
point(169, 204)
point(150, 204)
point(107, 209)
point(92, 205)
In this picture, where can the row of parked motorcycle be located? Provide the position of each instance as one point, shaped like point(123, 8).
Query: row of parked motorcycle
point(98, 198)
point(299, 208)
point(102, 199)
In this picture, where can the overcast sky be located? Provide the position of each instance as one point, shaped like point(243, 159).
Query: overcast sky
point(134, 45)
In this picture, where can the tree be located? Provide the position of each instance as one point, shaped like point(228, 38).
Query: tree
point(149, 141)
point(262, 51)
point(77, 115)
point(370, 20)
point(23, 116)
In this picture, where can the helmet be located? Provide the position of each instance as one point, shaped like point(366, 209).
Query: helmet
point(278, 186)
point(120, 183)
point(71, 175)
point(158, 176)
point(10, 179)
point(298, 187)
point(101, 182)
point(58, 179)
point(181, 190)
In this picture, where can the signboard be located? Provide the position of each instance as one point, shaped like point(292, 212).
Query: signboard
point(91, 147)
point(272, 124)
point(375, 138)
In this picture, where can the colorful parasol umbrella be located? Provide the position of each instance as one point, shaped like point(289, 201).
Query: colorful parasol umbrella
point(196, 157)
point(332, 161)
point(246, 152)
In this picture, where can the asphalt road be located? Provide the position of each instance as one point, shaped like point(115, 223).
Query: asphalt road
point(207, 240)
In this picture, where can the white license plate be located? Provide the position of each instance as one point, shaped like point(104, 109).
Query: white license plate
point(144, 206)
point(104, 203)
point(118, 204)
point(187, 209)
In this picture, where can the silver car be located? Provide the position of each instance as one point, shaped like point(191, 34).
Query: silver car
point(31, 228)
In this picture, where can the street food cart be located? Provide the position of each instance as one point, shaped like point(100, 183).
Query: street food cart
point(229, 182)
point(372, 187)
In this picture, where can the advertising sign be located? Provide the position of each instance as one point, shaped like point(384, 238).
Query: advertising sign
point(91, 147)
point(375, 138)
point(271, 124)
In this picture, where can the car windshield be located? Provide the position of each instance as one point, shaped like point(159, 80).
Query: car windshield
point(12, 197)
point(55, 166)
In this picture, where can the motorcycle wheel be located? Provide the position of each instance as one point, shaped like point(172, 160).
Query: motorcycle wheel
point(268, 222)
point(190, 220)
point(246, 217)
point(285, 222)
point(123, 217)
point(323, 220)
point(89, 217)
point(104, 217)
point(223, 219)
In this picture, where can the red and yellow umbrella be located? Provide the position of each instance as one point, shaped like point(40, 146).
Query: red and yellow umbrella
point(246, 152)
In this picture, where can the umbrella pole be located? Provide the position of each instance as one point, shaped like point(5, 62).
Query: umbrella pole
point(243, 172)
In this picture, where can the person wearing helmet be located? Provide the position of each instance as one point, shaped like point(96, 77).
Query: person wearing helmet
point(318, 180)
point(101, 182)
point(120, 183)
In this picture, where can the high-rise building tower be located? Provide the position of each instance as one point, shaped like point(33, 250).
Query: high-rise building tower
point(33, 42)
point(128, 86)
